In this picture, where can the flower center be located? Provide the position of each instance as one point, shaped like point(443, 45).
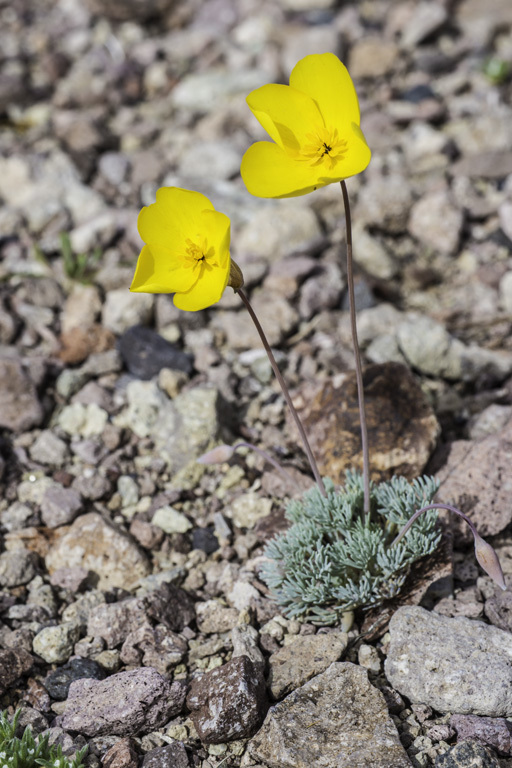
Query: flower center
point(325, 146)
point(199, 254)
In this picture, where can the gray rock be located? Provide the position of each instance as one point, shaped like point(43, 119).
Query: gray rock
point(436, 222)
point(276, 231)
point(372, 256)
point(48, 449)
point(79, 611)
point(60, 506)
point(95, 544)
point(20, 408)
point(475, 478)
point(384, 203)
point(301, 659)
point(479, 22)
point(74, 579)
point(505, 214)
point(115, 621)
point(201, 92)
point(278, 320)
point(228, 703)
point(123, 309)
point(81, 308)
point(18, 516)
point(24, 184)
point(55, 644)
point(453, 665)
point(498, 610)
point(181, 429)
point(156, 647)
point(124, 704)
point(213, 617)
point(368, 657)
point(245, 643)
point(114, 167)
point(17, 567)
point(98, 231)
point(488, 164)
point(506, 290)
point(467, 753)
point(489, 421)
point(84, 420)
point(336, 720)
point(321, 292)
point(171, 756)
point(372, 57)
point(170, 520)
point(426, 19)
point(220, 157)
point(429, 348)
point(92, 486)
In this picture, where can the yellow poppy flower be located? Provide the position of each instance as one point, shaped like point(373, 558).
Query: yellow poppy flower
point(186, 250)
point(314, 124)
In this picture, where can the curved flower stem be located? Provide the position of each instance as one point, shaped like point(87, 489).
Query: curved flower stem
point(282, 383)
point(485, 554)
point(357, 355)
point(426, 509)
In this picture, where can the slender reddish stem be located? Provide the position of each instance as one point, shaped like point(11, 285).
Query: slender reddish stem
point(282, 383)
point(357, 355)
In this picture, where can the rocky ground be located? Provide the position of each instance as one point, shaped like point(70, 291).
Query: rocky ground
point(132, 617)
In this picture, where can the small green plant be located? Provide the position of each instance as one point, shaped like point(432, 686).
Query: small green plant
point(29, 751)
point(329, 561)
point(77, 266)
point(497, 70)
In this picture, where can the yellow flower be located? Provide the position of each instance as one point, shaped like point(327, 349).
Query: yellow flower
point(314, 124)
point(186, 251)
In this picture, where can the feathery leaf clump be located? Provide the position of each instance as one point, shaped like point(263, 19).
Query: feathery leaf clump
point(329, 561)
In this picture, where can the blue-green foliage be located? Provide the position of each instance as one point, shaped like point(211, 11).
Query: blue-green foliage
point(30, 752)
point(329, 561)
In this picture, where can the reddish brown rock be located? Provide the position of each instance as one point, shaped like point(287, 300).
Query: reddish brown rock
point(476, 478)
point(122, 755)
point(137, 701)
point(402, 428)
point(229, 702)
point(13, 664)
point(491, 731)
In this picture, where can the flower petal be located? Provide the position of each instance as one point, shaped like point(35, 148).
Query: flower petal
point(206, 291)
point(285, 113)
point(216, 229)
point(268, 171)
point(325, 79)
point(155, 273)
point(174, 217)
point(355, 159)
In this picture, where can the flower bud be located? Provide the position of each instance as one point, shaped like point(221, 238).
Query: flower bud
point(488, 559)
point(217, 455)
point(236, 278)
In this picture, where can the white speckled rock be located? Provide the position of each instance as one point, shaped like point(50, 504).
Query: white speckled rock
point(453, 665)
point(336, 720)
point(55, 644)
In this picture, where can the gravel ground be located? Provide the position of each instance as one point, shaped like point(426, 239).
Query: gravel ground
point(132, 617)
